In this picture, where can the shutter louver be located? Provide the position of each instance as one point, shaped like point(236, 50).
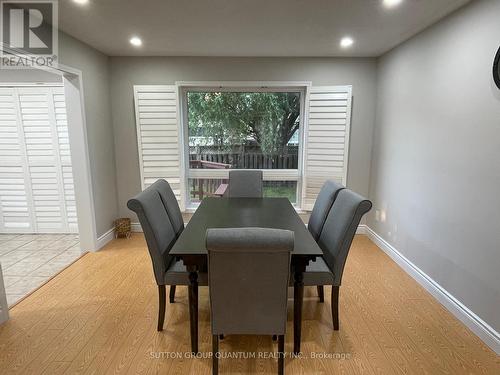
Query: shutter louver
point(157, 136)
point(327, 139)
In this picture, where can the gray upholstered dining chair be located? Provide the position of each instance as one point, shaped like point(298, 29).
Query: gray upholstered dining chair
point(170, 202)
point(335, 241)
point(174, 213)
point(245, 184)
point(248, 276)
point(160, 237)
point(324, 202)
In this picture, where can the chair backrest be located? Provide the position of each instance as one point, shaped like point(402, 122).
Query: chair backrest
point(248, 272)
point(324, 202)
point(158, 230)
point(245, 184)
point(339, 229)
point(172, 206)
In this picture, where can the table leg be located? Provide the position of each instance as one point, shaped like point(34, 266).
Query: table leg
point(298, 298)
point(193, 309)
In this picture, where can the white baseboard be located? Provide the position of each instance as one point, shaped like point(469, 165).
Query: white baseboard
point(361, 229)
point(136, 227)
point(105, 238)
point(482, 329)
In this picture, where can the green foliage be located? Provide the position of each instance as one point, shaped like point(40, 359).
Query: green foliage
point(232, 118)
point(289, 192)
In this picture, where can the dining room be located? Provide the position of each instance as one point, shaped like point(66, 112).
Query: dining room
point(256, 187)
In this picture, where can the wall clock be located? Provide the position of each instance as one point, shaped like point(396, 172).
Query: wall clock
point(496, 69)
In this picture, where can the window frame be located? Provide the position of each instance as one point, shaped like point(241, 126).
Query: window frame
point(247, 86)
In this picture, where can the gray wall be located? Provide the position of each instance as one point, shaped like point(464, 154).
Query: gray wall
point(95, 71)
point(436, 154)
point(31, 76)
point(129, 71)
point(96, 76)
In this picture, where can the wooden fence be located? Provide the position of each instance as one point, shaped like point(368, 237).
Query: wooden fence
point(245, 157)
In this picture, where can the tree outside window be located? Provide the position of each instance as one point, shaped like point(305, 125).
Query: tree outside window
point(244, 130)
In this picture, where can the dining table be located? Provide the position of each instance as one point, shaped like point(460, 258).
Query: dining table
point(215, 212)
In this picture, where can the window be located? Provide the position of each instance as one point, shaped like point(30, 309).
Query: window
point(192, 134)
point(243, 128)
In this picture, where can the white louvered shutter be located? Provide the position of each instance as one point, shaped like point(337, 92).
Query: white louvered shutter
point(158, 136)
point(38, 119)
point(68, 187)
point(15, 212)
point(43, 158)
point(327, 139)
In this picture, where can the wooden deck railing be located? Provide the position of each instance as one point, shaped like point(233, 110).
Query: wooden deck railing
point(207, 187)
point(240, 157)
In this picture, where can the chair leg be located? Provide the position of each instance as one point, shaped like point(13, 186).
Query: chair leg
point(321, 293)
point(161, 311)
point(281, 354)
point(335, 306)
point(215, 358)
point(172, 294)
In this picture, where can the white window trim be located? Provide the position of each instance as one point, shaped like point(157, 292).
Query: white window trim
point(256, 86)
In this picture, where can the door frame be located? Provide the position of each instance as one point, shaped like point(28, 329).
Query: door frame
point(80, 160)
point(77, 132)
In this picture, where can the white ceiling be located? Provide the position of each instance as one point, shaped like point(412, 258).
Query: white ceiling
point(248, 27)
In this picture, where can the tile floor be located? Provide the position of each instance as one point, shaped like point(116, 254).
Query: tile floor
point(28, 260)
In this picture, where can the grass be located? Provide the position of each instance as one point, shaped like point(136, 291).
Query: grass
point(289, 192)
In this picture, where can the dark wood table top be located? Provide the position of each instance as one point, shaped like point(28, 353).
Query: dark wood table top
point(244, 212)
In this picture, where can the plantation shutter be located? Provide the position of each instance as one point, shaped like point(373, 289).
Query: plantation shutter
point(158, 136)
point(327, 139)
point(15, 213)
point(45, 128)
point(36, 189)
point(68, 187)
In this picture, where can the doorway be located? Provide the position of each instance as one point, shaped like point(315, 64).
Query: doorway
point(38, 220)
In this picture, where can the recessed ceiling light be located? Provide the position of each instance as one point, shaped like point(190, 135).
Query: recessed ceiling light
point(392, 3)
point(136, 41)
point(346, 42)
point(81, 2)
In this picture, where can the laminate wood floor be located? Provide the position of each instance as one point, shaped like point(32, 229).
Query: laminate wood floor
point(99, 317)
